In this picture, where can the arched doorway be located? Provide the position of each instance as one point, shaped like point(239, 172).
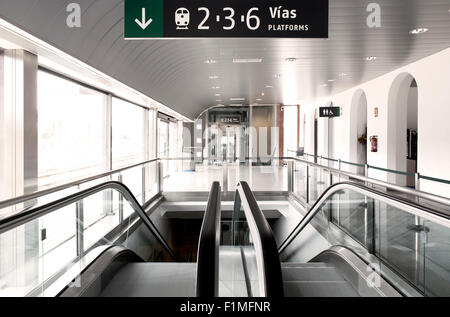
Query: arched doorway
point(358, 130)
point(403, 129)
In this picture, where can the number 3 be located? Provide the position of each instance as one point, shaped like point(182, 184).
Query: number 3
point(230, 17)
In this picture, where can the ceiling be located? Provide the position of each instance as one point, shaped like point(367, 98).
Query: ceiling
point(174, 72)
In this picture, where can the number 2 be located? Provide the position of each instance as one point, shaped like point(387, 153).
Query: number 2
point(202, 25)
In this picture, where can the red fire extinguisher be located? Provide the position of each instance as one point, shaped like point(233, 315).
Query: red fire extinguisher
point(374, 143)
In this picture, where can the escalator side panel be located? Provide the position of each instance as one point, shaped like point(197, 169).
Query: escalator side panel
point(354, 270)
point(92, 281)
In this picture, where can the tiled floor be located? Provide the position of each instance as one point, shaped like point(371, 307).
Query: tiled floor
point(260, 178)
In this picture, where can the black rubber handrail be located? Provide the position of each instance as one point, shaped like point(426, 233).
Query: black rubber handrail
point(271, 261)
point(208, 247)
point(317, 206)
point(37, 212)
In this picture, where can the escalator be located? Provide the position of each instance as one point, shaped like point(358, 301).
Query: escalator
point(132, 259)
point(247, 266)
point(354, 241)
point(358, 241)
point(120, 272)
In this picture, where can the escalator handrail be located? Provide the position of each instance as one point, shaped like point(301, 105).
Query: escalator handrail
point(208, 247)
point(406, 205)
point(40, 211)
point(405, 190)
point(267, 258)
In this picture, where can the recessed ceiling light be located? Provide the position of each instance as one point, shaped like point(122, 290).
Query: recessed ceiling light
point(371, 58)
point(268, 86)
point(210, 61)
point(263, 94)
point(290, 59)
point(214, 77)
point(215, 87)
point(330, 80)
point(247, 60)
point(237, 99)
point(259, 99)
point(217, 95)
point(277, 75)
point(342, 75)
point(418, 31)
point(324, 85)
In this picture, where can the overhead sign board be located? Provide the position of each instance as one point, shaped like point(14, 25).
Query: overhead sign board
point(230, 120)
point(226, 18)
point(330, 112)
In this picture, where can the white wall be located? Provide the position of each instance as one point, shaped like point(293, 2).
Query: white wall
point(431, 74)
point(290, 129)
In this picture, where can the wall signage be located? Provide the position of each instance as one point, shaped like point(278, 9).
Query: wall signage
point(375, 112)
point(226, 18)
point(329, 112)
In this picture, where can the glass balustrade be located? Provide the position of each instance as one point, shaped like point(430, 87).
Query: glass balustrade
point(54, 248)
point(390, 235)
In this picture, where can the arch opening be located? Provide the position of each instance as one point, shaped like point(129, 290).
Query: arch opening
point(403, 129)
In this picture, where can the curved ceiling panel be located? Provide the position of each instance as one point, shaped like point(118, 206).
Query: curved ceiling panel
point(174, 73)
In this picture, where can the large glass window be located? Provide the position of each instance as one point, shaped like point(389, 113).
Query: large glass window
point(128, 142)
point(163, 139)
point(71, 129)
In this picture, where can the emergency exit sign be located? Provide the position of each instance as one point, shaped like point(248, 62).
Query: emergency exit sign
point(226, 18)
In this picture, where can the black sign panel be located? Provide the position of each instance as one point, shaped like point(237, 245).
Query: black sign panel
point(226, 18)
point(330, 112)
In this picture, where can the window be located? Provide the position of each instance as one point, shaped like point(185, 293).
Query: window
point(128, 142)
point(71, 129)
point(163, 139)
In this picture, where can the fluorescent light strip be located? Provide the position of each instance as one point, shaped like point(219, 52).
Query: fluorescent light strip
point(247, 60)
point(418, 31)
point(237, 99)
